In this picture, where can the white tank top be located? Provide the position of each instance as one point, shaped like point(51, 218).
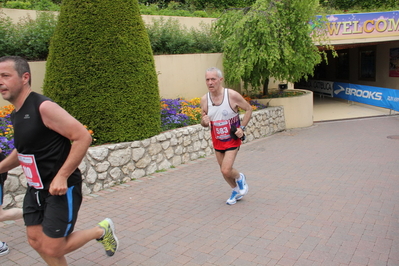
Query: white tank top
point(222, 111)
point(222, 118)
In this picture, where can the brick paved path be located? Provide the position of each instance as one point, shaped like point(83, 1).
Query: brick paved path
point(323, 195)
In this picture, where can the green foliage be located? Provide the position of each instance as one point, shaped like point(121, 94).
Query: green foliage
point(18, 5)
point(177, 9)
point(6, 32)
point(359, 4)
point(101, 69)
point(270, 39)
point(281, 94)
point(200, 14)
point(169, 37)
point(213, 8)
point(28, 38)
point(220, 4)
point(46, 5)
point(206, 40)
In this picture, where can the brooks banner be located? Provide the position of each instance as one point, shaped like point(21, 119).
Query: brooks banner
point(381, 97)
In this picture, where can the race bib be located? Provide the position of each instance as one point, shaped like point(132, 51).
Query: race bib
point(221, 129)
point(28, 164)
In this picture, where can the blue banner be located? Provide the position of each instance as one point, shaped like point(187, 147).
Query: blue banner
point(376, 96)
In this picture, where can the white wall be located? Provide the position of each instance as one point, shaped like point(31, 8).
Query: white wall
point(178, 75)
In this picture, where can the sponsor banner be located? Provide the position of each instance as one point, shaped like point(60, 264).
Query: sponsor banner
point(376, 96)
point(322, 86)
point(319, 86)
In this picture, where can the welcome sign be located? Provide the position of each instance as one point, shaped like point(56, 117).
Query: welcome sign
point(363, 25)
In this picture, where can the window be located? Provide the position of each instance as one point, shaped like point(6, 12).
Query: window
point(367, 63)
point(342, 65)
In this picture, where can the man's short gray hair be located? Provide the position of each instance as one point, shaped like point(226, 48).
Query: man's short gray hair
point(217, 70)
point(20, 65)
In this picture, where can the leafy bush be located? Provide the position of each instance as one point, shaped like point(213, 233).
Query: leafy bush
point(7, 30)
point(31, 38)
point(28, 38)
point(200, 14)
point(169, 37)
point(366, 5)
point(44, 5)
point(177, 9)
point(206, 40)
point(18, 5)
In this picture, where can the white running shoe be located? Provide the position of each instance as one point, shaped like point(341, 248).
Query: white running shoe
point(232, 200)
point(4, 250)
point(242, 185)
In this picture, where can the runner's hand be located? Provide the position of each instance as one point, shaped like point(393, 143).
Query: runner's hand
point(239, 133)
point(58, 186)
point(205, 119)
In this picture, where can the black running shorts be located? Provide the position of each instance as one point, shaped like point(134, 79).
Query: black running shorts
point(3, 177)
point(229, 149)
point(57, 214)
point(1, 193)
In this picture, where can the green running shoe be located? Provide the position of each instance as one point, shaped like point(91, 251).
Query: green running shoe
point(109, 239)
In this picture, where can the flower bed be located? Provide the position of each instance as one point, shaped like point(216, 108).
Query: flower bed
point(175, 113)
point(7, 130)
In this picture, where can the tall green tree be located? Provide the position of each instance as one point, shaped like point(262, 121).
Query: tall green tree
point(272, 38)
point(101, 69)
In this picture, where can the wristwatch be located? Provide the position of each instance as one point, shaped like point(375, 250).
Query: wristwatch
point(243, 128)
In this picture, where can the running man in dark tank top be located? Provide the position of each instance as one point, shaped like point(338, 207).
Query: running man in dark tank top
point(49, 146)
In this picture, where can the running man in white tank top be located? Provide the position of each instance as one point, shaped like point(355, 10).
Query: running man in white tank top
point(220, 112)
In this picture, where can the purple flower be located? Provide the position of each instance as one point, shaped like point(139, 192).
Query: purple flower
point(171, 116)
point(6, 135)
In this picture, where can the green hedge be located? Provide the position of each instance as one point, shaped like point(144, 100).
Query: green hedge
point(33, 5)
point(362, 4)
point(101, 69)
point(198, 4)
point(30, 38)
point(169, 37)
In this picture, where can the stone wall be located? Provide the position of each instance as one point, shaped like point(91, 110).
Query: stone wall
point(107, 165)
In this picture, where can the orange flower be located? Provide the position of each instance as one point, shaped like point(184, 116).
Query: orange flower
point(6, 110)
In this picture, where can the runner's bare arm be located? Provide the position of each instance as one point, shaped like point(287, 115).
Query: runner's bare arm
point(59, 120)
point(238, 101)
point(204, 111)
point(10, 162)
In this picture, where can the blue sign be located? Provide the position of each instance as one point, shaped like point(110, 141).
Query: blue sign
point(381, 97)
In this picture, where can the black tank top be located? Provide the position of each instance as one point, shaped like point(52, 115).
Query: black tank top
point(32, 137)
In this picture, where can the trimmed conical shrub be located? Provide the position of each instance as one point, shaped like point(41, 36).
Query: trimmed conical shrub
point(101, 69)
